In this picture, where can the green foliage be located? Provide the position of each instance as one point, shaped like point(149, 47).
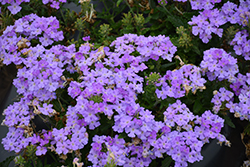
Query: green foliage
point(7, 161)
point(166, 162)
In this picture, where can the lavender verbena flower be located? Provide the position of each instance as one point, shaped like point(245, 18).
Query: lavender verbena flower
point(203, 4)
point(108, 150)
point(236, 14)
point(217, 63)
point(41, 77)
point(14, 7)
point(242, 90)
point(196, 4)
point(18, 114)
point(221, 97)
point(188, 133)
point(15, 140)
point(210, 20)
point(241, 44)
point(148, 47)
point(181, 81)
point(18, 36)
point(206, 23)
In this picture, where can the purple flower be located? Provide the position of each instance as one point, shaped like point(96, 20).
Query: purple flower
point(41, 151)
point(14, 8)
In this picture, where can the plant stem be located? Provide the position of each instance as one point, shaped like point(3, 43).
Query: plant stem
point(129, 7)
point(167, 10)
point(63, 16)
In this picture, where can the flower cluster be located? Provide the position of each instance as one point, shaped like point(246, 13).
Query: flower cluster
point(17, 37)
point(236, 14)
point(196, 4)
point(188, 133)
point(179, 82)
point(206, 23)
point(209, 20)
point(201, 4)
point(181, 136)
point(107, 150)
point(14, 6)
point(217, 63)
point(148, 47)
point(242, 89)
point(241, 44)
point(221, 97)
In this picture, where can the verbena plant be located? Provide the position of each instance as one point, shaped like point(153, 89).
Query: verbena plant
point(140, 83)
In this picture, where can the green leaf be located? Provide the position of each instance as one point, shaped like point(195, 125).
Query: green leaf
point(177, 22)
point(39, 163)
point(229, 122)
point(155, 15)
point(152, 4)
point(118, 2)
point(161, 9)
point(189, 15)
point(168, 65)
point(28, 164)
point(166, 162)
point(156, 26)
point(122, 135)
point(145, 30)
point(197, 106)
point(147, 19)
point(196, 49)
point(7, 161)
point(56, 105)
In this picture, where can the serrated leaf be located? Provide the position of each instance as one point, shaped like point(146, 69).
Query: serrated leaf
point(161, 9)
point(148, 19)
point(166, 162)
point(197, 106)
point(156, 26)
point(196, 49)
point(155, 15)
point(118, 2)
point(168, 65)
point(152, 4)
point(122, 136)
point(39, 163)
point(7, 161)
point(145, 30)
point(229, 122)
point(175, 21)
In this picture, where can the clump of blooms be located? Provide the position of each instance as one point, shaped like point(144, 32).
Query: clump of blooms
point(107, 150)
point(220, 98)
point(241, 44)
point(209, 20)
point(219, 64)
point(179, 82)
point(195, 4)
point(181, 135)
point(241, 88)
point(18, 36)
point(15, 6)
point(148, 47)
point(236, 14)
point(206, 23)
point(189, 133)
